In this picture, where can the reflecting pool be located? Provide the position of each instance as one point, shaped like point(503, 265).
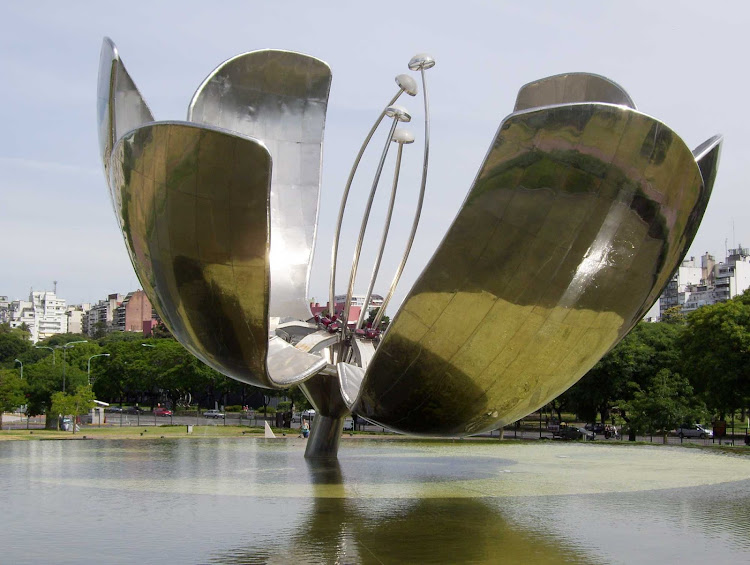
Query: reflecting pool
point(259, 501)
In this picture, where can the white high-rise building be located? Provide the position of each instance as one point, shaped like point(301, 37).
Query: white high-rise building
point(76, 316)
point(692, 286)
point(4, 310)
point(43, 313)
point(678, 289)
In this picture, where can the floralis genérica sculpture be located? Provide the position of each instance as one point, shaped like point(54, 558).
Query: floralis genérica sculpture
point(578, 216)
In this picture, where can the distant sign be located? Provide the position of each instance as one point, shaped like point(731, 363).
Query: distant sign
point(720, 428)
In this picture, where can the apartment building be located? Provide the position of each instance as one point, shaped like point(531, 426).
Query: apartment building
point(694, 285)
point(43, 313)
point(134, 310)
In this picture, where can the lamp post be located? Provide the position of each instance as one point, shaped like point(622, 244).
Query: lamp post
point(52, 349)
point(65, 348)
point(21, 362)
point(88, 371)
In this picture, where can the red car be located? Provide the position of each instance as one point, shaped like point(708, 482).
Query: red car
point(162, 412)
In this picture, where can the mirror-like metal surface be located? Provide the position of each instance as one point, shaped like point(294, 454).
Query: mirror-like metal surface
point(576, 221)
point(193, 206)
point(422, 62)
point(317, 341)
point(345, 196)
point(120, 107)
point(288, 365)
point(707, 155)
point(569, 88)
point(397, 116)
point(364, 312)
point(279, 97)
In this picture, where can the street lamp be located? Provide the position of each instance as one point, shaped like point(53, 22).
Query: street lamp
point(88, 371)
point(52, 349)
point(21, 362)
point(65, 348)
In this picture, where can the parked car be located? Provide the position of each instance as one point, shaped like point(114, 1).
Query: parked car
point(213, 414)
point(134, 410)
point(161, 411)
point(597, 428)
point(115, 409)
point(694, 430)
point(574, 432)
point(348, 424)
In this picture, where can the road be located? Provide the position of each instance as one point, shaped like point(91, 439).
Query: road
point(14, 421)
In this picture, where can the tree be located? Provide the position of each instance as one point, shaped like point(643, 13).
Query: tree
point(716, 354)
point(13, 343)
point(384, 321)
point(12, 389)
point(73, 404)
point(674, 315)
point(160, 331)
point(666, 403)
point(99, 330)
point(648, 348)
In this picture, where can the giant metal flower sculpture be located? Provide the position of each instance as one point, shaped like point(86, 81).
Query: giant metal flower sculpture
point(578, 216)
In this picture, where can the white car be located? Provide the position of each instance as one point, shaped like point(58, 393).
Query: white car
point(213, 414)
point(696, 430)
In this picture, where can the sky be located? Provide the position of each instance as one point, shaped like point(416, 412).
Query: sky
point(681, 62)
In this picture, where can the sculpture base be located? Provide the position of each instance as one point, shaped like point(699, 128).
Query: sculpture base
point(325, 437)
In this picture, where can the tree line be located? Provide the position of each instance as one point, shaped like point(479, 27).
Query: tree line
point(692, 368)
point(684, 369)
point(119, 368)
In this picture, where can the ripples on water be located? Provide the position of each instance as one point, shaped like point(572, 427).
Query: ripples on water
point(257, 501)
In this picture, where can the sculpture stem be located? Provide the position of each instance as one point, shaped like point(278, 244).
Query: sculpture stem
point(325, 437)
point(361, 238)
point(383, 238)
point(418, 214)
point(342, 207)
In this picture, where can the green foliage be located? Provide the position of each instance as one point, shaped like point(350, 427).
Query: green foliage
point(384, 321)
point(666, 403)
point(298, 398)
point(716, 354)
point(161, 331)
point(674, 315)
point(284, 406)
point(73, 404)
point(13, 343)
point(12, 391)
point(646, 350)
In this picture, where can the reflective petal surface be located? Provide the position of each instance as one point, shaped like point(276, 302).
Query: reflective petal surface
point(569, 88)
point(120, 107)
point(279, 97)
point(193, 206)
point(575, 222)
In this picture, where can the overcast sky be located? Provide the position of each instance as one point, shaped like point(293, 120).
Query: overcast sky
point(682, 62)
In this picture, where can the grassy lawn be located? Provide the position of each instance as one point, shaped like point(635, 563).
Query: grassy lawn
point(134, 432)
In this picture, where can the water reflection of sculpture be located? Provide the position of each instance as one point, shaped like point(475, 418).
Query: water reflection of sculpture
point(580, 212)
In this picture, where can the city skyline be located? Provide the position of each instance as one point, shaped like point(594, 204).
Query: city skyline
point(54, 205)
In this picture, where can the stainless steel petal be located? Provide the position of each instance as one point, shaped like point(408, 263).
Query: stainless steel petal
point(194, 214)
point(279, 97)
point(707, 155)
point(574, 224)
point(288, 365)
point(568, 88)
point(120, 107)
